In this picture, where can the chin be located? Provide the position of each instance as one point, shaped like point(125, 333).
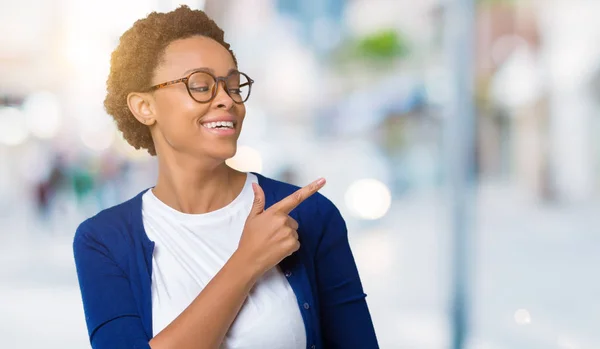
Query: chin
point(223, 152)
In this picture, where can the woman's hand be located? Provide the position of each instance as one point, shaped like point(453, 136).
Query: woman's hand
point(271, 235)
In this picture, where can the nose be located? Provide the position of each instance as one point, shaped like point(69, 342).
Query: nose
point(222, 99)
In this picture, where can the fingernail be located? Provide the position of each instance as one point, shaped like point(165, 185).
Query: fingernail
point(321, 181)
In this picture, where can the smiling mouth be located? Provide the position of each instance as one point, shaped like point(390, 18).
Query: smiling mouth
point(219, 125)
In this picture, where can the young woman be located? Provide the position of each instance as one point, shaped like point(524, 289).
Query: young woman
point(209, 257)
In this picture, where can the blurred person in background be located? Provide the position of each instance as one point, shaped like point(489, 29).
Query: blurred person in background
point(45, 189)
point(210, 256)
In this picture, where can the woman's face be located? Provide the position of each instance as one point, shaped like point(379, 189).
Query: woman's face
point(183, 124)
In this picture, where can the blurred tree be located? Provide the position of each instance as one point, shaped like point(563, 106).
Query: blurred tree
point(384, 46)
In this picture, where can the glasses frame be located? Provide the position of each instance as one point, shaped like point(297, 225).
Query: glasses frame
point(215, 88)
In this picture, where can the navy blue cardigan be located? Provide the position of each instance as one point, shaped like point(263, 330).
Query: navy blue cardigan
point(113, 257)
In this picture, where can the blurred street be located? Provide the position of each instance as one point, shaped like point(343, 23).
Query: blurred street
point(404, 269)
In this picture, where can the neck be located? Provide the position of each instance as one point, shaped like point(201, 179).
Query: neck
point(196, 186)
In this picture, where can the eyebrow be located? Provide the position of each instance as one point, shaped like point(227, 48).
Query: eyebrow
point(206, 69)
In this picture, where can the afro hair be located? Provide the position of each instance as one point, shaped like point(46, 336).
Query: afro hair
point(136, 57)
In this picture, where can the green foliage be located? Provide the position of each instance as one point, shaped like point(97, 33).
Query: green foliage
point(381, 47)
point(385, 44)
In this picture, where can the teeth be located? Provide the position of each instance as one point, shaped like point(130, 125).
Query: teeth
point(215, 124)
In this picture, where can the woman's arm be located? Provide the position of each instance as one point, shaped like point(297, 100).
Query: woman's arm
point(111, 314)
point(114, 322)
point(205, 322)
point(112, 318)
point(345, 318)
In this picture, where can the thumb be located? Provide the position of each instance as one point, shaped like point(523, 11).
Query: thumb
point(258, 206)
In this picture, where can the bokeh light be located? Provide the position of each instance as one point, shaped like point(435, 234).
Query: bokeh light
point(98, 137)
point(42, 113)
point(368, 199)
point(246, 159)
point(13, 129)
point(522, 317)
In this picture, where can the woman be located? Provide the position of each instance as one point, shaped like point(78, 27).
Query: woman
point(209, 257)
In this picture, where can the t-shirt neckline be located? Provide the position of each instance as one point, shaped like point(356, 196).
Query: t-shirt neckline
point(153, 203)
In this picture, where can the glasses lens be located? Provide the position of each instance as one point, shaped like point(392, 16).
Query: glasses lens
point(239, 87)
point(201, 86)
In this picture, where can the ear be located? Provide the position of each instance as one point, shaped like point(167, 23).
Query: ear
point(140, 105)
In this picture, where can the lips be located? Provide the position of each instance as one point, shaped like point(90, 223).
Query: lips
point(219, 124)
point(220, 127)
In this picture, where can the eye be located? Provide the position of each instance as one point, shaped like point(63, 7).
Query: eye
point(199, 88)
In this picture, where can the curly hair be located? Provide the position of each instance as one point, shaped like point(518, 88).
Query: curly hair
point(135, 59)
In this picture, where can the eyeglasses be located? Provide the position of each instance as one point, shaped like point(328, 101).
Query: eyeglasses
point(202, 86)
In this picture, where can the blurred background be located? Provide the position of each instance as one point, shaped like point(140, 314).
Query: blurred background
point(472, 207)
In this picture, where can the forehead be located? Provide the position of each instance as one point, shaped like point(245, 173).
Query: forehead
point(192, 53)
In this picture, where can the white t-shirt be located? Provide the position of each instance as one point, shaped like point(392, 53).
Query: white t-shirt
point(189, 251)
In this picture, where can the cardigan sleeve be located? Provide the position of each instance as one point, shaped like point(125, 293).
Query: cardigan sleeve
point(112, 320)
point(345, 318)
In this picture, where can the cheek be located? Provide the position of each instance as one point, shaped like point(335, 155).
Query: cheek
point(179, 111)
point(240, 110)
point(177, 121)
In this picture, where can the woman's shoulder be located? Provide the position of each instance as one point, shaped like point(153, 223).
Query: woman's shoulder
point(110, 222)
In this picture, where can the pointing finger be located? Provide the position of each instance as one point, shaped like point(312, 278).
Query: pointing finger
point(292, 201)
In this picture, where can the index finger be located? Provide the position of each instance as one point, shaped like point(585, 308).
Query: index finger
point(292, 201)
